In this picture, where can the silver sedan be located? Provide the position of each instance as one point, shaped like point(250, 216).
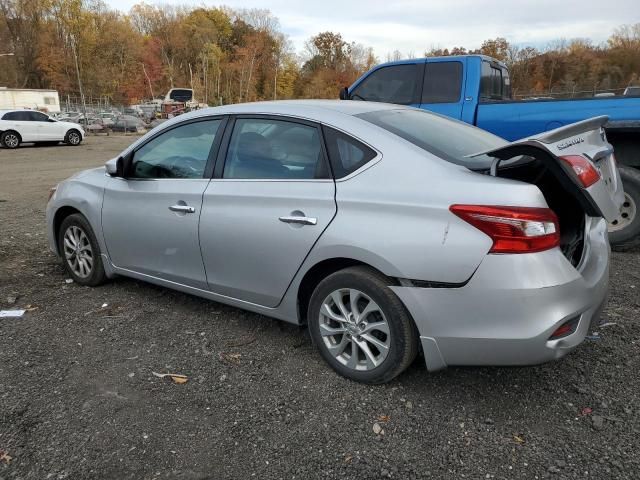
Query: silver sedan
point(389, 231)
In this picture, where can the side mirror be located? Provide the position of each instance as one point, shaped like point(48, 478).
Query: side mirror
point(115, 167)
point(344, 94)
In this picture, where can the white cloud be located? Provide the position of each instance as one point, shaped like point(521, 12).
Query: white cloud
point(416, 25)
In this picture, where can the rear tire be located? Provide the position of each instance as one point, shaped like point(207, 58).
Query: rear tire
point(11, 139)
point(80, 251)
point(626, 236)
point(362, 329)
point(73, 138)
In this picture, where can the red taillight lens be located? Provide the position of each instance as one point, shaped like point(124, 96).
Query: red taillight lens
point(565, 329)
point(513, 229)
point(583, 168)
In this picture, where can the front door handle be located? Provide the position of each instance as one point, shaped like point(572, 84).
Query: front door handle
point(299, 220)
point(182, 208)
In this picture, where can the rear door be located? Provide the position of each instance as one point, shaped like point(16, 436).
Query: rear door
point(20, 121)
point(270, 200)
point(442, 88)
point(575, 149)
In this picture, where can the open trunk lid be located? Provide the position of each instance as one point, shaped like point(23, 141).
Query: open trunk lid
point(585, 139)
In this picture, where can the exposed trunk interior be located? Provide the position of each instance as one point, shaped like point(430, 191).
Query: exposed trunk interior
point(563, 201)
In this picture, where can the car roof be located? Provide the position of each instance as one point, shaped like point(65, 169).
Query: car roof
point(302, 108)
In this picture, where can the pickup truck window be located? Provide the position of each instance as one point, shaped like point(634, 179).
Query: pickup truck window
point(394, 84)
point(494, 83)
point(442, 82)
point(446, 138)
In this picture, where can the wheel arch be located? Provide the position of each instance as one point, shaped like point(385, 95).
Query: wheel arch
point(10, 130)
point(58, 218)
point(626, 144)
point(322, 269)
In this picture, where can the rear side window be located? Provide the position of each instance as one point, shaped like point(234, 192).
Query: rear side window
point(346, 153)
point(394, 84)
point(442, 82)
point(17, 116)
point(494, 83)
point(265, 148)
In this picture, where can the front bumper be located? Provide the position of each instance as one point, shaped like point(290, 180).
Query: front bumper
point(513, 303)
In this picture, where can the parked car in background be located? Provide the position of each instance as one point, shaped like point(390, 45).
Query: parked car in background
point(477, 89)
point(29, 126)
point(128, 123)
point(631, 91)
point(99, 125)
point(276, 208)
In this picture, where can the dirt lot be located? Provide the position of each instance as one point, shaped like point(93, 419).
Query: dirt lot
point(78, 398)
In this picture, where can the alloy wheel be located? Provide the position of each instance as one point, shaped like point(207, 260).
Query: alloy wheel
point(11, 140)
point(354, 329)
point(627, 214)
point(74, 138)
point(78, 252)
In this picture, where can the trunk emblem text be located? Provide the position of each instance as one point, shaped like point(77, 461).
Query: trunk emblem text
point(570, 143)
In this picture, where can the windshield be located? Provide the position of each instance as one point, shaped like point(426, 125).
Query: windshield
point(449, 139)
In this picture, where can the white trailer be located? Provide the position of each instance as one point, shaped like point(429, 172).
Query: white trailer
point(45, 100)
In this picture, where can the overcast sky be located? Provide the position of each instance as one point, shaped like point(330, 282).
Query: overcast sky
point(412, 26)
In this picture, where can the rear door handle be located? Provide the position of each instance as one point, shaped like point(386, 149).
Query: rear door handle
point(182, 208)
point(299, 220)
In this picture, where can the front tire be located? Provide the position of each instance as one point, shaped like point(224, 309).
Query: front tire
point(362, 329)
point(80, 251)
point(73, 138)
point(10, 139)
point(624, 233)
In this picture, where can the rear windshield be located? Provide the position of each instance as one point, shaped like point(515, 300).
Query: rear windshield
point(449, 139)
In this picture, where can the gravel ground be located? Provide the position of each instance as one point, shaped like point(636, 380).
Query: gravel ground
point(78, 398)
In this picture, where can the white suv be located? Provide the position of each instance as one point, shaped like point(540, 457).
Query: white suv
point(29, 126)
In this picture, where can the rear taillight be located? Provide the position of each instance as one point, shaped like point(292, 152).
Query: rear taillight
point(513, 229)
point(567, 328)
point(583, 168)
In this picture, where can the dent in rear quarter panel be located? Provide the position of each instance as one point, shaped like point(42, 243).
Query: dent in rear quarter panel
point(395, 216)
point(84, 192)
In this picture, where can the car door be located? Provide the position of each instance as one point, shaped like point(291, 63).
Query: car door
point(271, 198)
point(44, 128)
point(150, 217)
point(20, 121)
point(442, 87)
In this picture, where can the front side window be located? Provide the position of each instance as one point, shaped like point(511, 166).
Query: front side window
point(442, 82)
point(38, 117)
point(181, 152)
point(263, 148)
point(347, 154)
point(394, 84)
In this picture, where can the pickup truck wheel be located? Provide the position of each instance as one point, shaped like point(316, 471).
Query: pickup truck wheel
point(624, 233)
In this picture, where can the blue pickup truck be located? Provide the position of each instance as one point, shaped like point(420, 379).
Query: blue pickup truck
point(476, 89)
